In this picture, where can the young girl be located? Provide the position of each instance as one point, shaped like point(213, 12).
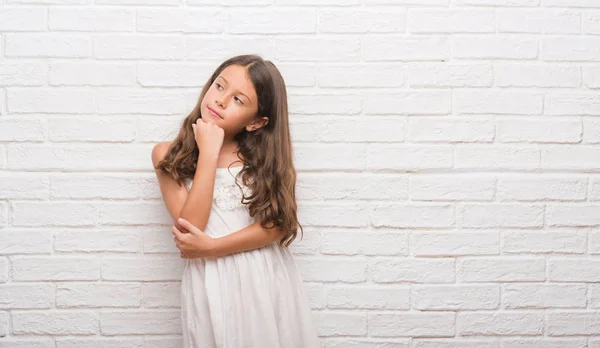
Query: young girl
point(240, 286)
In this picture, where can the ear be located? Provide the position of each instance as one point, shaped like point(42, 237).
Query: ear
point(259, 122)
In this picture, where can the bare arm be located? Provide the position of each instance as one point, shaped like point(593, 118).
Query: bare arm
point(248, 238)
point(194, 205)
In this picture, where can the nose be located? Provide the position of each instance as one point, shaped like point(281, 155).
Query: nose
point(219, 102)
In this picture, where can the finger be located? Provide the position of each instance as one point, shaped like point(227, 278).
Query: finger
point(178, 235)
point(186, 225)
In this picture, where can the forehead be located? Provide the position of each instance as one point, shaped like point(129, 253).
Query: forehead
point(237, 77)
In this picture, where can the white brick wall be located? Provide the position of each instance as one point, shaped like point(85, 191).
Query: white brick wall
point(448, 155)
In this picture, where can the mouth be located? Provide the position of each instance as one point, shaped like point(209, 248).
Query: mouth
point(213, 112)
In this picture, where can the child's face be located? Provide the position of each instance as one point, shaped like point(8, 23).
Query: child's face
point(233, 98)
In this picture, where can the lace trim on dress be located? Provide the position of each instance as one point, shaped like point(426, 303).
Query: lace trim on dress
point(229, 196)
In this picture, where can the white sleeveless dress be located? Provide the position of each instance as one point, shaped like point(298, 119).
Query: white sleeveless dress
point(252, 299)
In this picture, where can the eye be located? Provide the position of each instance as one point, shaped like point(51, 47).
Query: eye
point(238, 100)
point(218, 85)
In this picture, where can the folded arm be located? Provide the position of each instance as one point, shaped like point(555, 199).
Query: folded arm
point(248, 238)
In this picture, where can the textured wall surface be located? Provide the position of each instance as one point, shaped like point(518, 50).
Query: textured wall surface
point(448, 156)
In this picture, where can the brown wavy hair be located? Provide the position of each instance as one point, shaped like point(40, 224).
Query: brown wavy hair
point(268, 169)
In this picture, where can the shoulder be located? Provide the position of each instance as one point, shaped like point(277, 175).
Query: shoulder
point(159, 151)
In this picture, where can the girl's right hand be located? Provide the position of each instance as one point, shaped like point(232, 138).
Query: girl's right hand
point(209, 137)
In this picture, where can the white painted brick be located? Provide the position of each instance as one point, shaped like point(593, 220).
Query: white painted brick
point(500, 323)
point(137, 2)
point(412, 270)
point(451, 129)
point(347, 342)
point(91, 19)
point(2, 157)
point(184, 20)
point(591, 22)
point(494, 47)
point(591, 130)
point(497, 101)
point(55, 323)
point(572, 323)
point(447, 74)
point(53, 213)
point(346, 104)
point(573, 270)
point(167, 342)
point(22, 73)
point(272, 21)
point(173, 74)
point(538, 296)
point(570, 48)
point(541, 188)
point(129, 46)
point(48, 45)
point(362, 297)
point(537, 75)
point(454, 243)
point(539, 130)
point(91, 73)
point(594, 297)
point(357, 128)
point(412, 324)
point(343, 215)
point(353, 243)
point(84, 295)
point(571, 3)
point(4, 269)
point(455, 297)
point(563, 241)
point(152, 322)
point(571, 103)
point(451, 21)
point(26, 296)
point(409, 157)
point(333, 269)
point(330, 157)
point(101, 342)
point(146, 269)
point(594, 189)
point(205, 48)
point(50, 100)
point(121, 240)
point(412, 215)
point(319, 186)
point(416, 102)
point(461, 343)
point(405, 48)
point(406, 2)
point(576, 157)
point(157, 129)
point(298, 74)
point(320, 49)
point(19, 129)
point(23, 19)
point(316, 295)
point(77, 157)
point(454, 187)
point(18, 241)
point(501, 269)
point(55, 268)
point(539, 21)
point(159, 239)
point(100, 129)
point(144, 213)
point(591, 76)
point(230, 2)
point(49, 2)
point(516, 3)
point(500, 215)
point(362, 21)
point(368, 75)
point(92, 186)
point(573, 215)
point(158, 295)
point(497, 157)
point(341, 324)
point(307, 243)
point(21, 342)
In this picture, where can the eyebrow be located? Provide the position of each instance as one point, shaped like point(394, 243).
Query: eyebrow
point(249, 101)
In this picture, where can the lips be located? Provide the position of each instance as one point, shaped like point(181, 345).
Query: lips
point(216, 114)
